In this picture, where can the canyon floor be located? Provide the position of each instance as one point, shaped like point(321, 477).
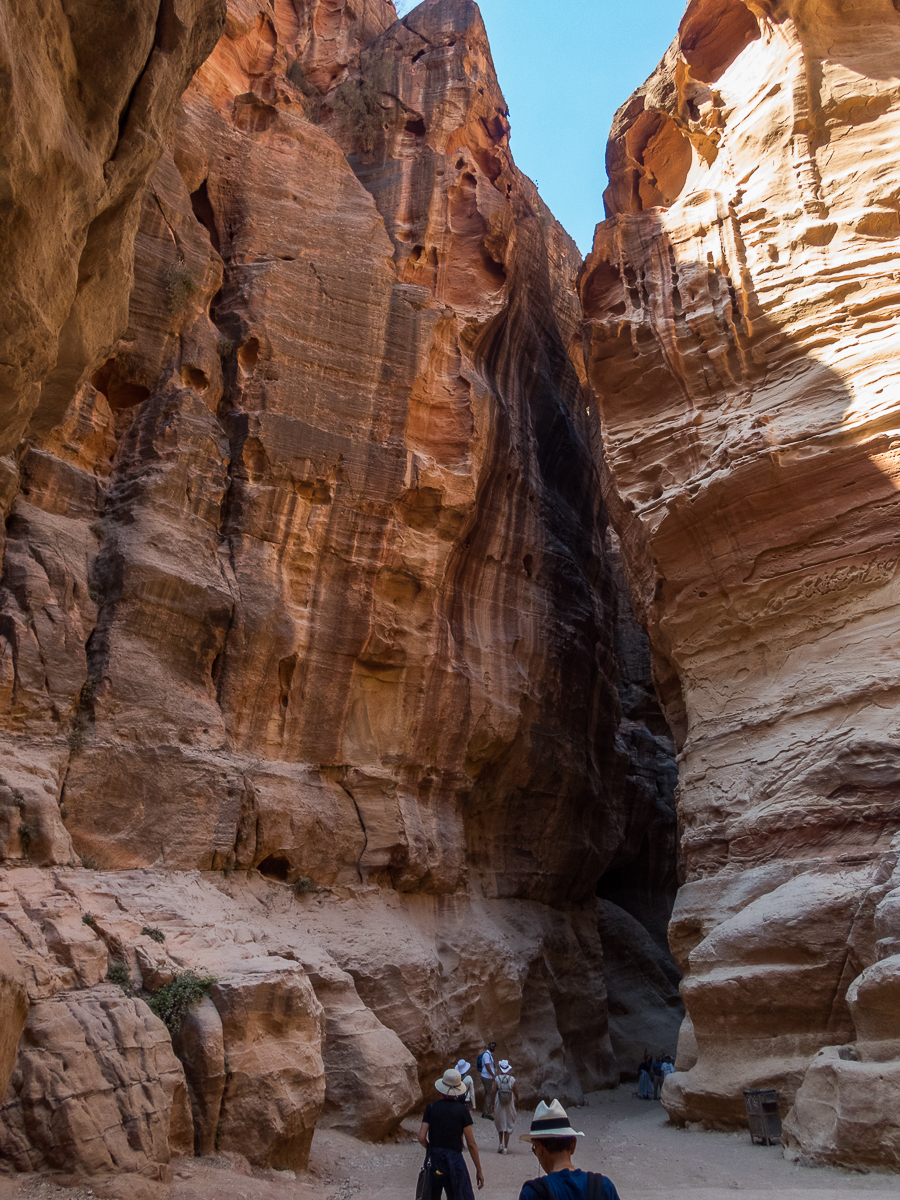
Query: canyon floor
point(628, 1139)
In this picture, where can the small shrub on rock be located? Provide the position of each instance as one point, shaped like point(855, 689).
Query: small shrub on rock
point(89, 919)
point(27, 834)
point(172, 1002)
point(180, 287)
point(119, 974)
point(304, 885)
point(156, 935)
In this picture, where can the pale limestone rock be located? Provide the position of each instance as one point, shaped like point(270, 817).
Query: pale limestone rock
point(741, 339)
point(96, 1088)
point(845, 1113)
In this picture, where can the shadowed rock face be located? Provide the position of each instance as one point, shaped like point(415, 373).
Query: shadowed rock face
point(741, 338)
point(307, 605)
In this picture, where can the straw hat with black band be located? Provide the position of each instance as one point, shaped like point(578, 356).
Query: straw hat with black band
point(550, 1121)
point(451, 1084)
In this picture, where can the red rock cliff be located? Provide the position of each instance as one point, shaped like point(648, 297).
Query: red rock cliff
point(741, 305)
point(309, 620)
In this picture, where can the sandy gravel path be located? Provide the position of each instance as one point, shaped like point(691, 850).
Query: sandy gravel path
point(628, 1139)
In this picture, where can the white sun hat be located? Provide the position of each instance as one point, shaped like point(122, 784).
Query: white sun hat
point(550, 1121)
point(451, 1083)
point(504, 1066)
point(462, 1066)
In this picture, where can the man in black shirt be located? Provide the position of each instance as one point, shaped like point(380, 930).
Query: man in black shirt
point(445, 1123)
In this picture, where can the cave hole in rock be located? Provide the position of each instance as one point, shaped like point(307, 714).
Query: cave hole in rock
point(194, 377)
point(203, 211)
point(415, 127)
point(248, 355)
point(665, 156)
point(275, 867)
point(113, 383)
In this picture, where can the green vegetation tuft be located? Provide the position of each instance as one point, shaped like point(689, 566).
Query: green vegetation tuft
point(90, 863)
point(119, 974)
point(157, 935)
point(304, 885)
point(297, 76)
point(172, 1002)
point(89, 919)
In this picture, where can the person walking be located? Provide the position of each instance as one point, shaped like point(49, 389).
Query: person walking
point(464, 1067)
point(487, 1071)
point(645, 1085)
point(657, 1076)
point(444, 1125)
point(504, 1098)
point(553, 1142)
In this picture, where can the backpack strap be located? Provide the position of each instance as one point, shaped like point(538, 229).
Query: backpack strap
point(596, 1188)
point(541, 1188)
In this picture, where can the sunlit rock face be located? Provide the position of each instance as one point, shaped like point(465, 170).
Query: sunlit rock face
point(741, 307)
point(308, 608)
point(82, 127)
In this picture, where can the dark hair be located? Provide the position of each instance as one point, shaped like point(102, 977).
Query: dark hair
point(556, 1145)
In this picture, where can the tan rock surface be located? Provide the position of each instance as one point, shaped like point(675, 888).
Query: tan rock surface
point(96, 1089)
point(13, 1013)
point(741, 338)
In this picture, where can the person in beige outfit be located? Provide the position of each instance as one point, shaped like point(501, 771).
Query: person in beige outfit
point(504, 1098)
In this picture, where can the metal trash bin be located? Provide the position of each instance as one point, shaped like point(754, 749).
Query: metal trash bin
point(763, 1116)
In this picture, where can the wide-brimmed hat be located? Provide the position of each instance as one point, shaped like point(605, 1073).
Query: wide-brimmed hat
point(451, 1083)
point(462, 1066)
point(550, 1121)
point(504, 1065)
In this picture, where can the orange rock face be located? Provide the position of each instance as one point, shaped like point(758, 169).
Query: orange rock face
point(309, 609)
point(82, 129)
point(741, 309)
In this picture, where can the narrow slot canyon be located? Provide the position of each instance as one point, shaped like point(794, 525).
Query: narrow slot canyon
point(414, 634)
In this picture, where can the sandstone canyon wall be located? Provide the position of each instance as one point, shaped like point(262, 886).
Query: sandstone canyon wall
point(741, 338)
point(314, 674)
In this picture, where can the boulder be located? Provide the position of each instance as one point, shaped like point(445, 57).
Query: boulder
point(96, 1089)
point(272, 1027)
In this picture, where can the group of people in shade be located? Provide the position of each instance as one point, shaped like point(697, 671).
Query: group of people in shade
point(652, 1073)
point(448, 1122)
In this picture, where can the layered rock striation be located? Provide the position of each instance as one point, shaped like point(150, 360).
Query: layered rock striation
point(309, 655)
point(741, 309)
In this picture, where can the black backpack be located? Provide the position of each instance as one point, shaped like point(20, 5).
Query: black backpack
point(595, 1188)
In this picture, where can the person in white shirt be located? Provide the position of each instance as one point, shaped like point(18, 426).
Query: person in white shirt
point(488, 1071)
point(462, 1066)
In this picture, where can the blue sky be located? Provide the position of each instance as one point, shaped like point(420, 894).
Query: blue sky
point(564, 69)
